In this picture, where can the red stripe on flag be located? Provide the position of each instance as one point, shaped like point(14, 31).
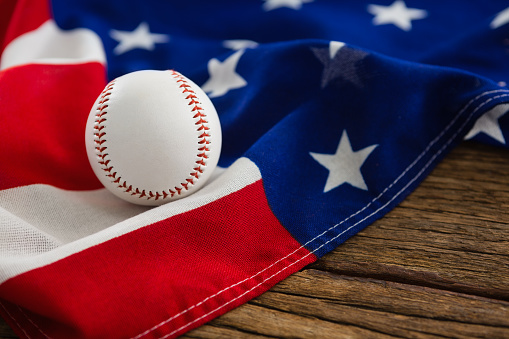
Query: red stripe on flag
point(42, 122)
point(161, 280)
point(21, 16)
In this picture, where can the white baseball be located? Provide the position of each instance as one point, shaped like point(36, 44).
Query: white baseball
point(153, 137)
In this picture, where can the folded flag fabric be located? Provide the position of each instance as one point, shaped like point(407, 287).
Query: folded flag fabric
point(331, 113)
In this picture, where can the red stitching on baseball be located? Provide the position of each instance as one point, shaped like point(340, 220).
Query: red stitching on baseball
point(203, 139)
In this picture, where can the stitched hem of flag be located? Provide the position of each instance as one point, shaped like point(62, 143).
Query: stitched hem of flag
point(410, 178)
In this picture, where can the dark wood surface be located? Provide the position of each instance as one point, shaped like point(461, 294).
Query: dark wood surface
point(435, 266)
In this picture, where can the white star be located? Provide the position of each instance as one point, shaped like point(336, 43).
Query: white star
point(488, 124)
point(345, 165)
point(269, 5)
point(397, 14)
point(501, 19)
point(223, 76)
point(238, 44)
point(139, 38)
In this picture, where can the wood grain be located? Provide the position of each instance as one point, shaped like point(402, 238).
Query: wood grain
point(436, 266)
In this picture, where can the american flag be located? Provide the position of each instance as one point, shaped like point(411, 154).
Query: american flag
point(332, 112)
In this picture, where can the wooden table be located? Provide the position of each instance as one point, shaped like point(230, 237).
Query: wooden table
point(435, 266)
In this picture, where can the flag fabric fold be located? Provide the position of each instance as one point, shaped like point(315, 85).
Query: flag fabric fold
point(331, 115)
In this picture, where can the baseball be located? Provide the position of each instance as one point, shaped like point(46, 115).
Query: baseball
point(153, 137)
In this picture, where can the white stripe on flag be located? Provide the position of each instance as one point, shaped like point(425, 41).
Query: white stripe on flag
point(44, 224)
point(49, 44)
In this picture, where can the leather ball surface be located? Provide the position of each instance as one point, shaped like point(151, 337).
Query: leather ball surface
point(153, 137)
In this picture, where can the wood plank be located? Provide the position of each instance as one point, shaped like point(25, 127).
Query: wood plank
point(252, 318)
point(435, 266)
point(317, 304)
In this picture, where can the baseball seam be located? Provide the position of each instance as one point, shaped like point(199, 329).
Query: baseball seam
point(203, 149)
